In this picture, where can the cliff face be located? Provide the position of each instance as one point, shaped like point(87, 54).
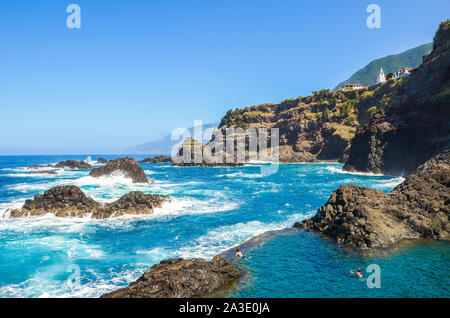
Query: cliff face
point(390, 128)
point(363, 218)
point(415, 123)
point(317, 127)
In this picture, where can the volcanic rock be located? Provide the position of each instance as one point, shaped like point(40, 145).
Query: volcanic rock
point(66, 201)
point(157, 159)
point(73, 164)
point(363, 218)
point(180, 278)
point(128, 167)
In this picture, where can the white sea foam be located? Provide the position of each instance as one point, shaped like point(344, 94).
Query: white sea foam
point(340, 170)
point(240, 174)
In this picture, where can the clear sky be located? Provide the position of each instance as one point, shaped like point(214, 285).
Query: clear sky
point(137, 69)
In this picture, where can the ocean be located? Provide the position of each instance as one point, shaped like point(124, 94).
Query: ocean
point(213, 209)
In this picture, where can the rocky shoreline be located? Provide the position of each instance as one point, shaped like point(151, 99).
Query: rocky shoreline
point(180, 278)
point(70, 201)
point(363, 218)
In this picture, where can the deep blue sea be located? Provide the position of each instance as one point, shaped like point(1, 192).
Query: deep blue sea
point(213, 209)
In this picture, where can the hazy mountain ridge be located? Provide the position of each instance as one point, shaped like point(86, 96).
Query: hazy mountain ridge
point(164, 145)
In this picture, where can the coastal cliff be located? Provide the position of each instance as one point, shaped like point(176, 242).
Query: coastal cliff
point(414, 123)
point(389, 128)
point(363, 218)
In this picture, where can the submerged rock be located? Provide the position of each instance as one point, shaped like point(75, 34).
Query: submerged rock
point(73, 164)
point(180, 278)
point(67, 201)
point(38, 167)
point(157, 159)
point(126, 166)
point(363, 218)
point(44, 172)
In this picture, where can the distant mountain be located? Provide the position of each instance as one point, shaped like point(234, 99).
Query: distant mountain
point(164, 145)
point(390, 64)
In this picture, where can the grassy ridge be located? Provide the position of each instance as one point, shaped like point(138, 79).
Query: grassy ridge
point(390, 64)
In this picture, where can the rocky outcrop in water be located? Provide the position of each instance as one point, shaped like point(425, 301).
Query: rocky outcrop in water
point(412, 121)
point(180, 278)
point(38, 167)
point(157, 159)
point(128, 167)
point(363, 218)
point(73, 164)
point(102, 160)
point(192, 154)
point(70, 201)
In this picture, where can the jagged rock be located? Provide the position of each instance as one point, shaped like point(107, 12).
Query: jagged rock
point(102, 160)
point(73, 164)
point(67, 201)
point(413, 125)
point(157, 159)
point(180, 278)
point(135, 202)
point(198, 154)
point(364, 218)
point(127, 166)
point(61, 200)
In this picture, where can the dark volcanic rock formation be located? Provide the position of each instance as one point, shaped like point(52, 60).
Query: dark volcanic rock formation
point(413, 125)
point(62, 201)
point(180, 278)
point(192, 154)
point(135, 202)
point(102, 160)
point(127, 166)
point(73, 164)
point(157, 159)
point(66, 201)
point(363, 218)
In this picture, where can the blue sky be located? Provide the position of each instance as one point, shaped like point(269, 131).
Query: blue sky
point(137, 69)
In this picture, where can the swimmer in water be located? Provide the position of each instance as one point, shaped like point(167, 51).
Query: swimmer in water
point(358, 272)
point(239, 254)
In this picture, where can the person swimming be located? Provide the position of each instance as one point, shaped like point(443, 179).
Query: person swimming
point(239, 254)
point(359, 273)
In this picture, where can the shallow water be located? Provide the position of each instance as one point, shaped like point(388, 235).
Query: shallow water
point(213, 209)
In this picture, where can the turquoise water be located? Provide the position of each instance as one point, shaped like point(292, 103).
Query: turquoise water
point(302, 264)
point(213, 209)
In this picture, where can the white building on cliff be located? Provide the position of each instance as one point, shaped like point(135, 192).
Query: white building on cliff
point(381, 77)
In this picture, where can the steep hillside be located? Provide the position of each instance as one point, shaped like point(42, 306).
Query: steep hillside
point(317, 127)
point(415, 123)
point(390, 64)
